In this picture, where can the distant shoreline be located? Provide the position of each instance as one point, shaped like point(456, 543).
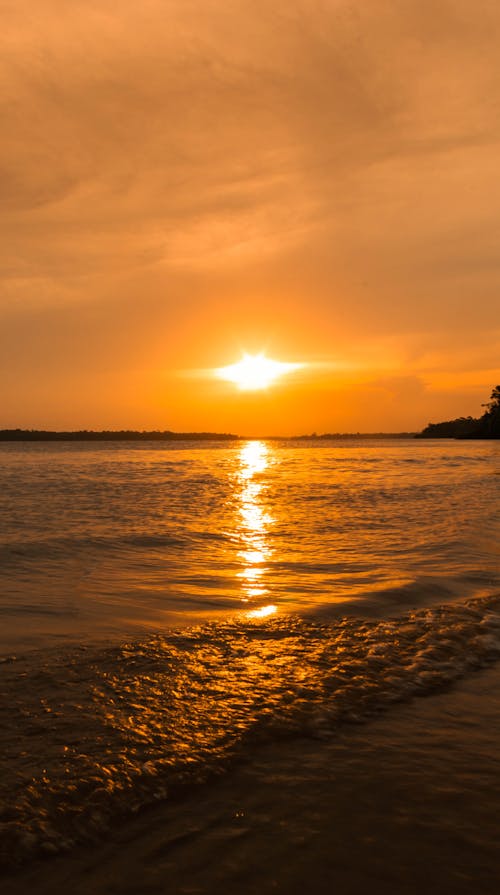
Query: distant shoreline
point(133, 435)
point(111, 435)
point(42, 435)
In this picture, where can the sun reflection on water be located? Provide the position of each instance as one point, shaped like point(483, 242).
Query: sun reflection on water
point(253, 527)
point(253, 458)
point(263, 612)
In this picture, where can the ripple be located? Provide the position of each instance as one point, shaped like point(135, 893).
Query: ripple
point(92, 734)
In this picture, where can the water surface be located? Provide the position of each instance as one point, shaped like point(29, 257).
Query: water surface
point(100, 540)
point(166, 608)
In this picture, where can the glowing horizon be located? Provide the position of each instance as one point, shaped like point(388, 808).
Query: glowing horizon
point(349, 224)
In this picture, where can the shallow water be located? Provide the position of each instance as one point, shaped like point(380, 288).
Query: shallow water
point(89, 735)
point(101, 540)
point(407, 803)
point(164, 609)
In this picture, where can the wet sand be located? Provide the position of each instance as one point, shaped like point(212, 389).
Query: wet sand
point(406, 803)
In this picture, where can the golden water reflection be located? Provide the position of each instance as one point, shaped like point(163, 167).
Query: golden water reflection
point(253, 525)
point(263, 612)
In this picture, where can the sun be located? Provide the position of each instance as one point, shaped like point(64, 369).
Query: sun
point(255, 372)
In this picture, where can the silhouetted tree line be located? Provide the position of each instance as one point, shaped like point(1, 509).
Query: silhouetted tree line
point(121, 435)
point(350, 436)
point(486, 426)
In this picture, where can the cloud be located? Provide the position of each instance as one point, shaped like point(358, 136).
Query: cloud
point(298, 170)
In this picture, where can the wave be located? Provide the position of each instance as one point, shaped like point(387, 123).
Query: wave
point(54, 546)
point(20, 608)
point(93, 733)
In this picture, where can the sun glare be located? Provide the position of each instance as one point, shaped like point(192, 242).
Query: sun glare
point(255, 372)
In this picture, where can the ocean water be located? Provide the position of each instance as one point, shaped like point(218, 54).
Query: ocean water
point(165, 607)
point(100, 540)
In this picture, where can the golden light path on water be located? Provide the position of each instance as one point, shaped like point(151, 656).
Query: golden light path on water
point(255, 522)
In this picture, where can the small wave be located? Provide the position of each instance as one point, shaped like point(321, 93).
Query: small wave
point(21, 608)
point(112, 729)
point(55, 547)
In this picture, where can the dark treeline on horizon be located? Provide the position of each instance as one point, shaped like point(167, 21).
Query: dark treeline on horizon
point(108, 435)
point(155, 435)
point(347, 435)
point(486, 426)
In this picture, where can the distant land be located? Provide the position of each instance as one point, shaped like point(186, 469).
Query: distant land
point(485, 426)
point(314, 435)
point(134, 435)
point(111, 435)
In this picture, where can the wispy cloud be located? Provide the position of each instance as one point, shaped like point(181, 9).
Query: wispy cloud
point(336, 159)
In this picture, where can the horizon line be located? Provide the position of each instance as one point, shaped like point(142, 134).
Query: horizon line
point(19, 434)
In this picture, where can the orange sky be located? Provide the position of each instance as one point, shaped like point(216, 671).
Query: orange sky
point(185, 180)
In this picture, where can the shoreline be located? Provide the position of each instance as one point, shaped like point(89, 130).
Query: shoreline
point(404, 803)
point(133, 435)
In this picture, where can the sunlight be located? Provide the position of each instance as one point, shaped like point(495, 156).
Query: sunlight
point(253, 459)
point(263, 612)
point(250, 573)
point(254, 522)
point(255, 372)
point(252, 556)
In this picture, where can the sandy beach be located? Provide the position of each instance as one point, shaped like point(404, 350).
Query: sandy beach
point(405, 803)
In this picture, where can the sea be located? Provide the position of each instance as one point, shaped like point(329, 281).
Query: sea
point(166, 606)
